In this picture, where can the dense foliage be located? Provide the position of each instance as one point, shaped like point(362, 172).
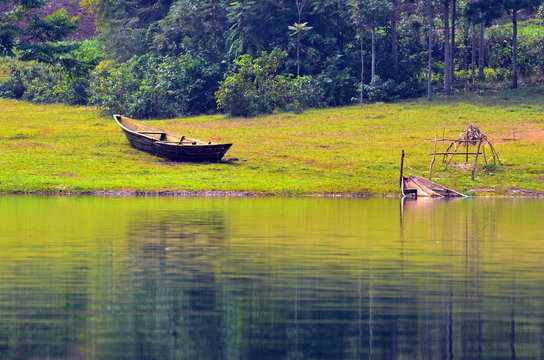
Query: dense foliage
point(256, 87)
point(162, 58)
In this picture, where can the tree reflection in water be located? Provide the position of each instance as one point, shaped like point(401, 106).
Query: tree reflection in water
point(271, 279)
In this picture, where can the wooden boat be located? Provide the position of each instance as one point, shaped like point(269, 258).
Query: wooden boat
point(169, 145)
point(414, 186)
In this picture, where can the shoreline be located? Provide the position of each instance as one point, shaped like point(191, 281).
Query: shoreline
point(516, 193)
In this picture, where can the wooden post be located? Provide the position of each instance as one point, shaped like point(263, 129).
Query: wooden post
point(401, 169)
point(432, 162)
point(475, 161)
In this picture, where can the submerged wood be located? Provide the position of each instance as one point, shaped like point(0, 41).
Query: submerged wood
point(169, 145)
point(415, 186)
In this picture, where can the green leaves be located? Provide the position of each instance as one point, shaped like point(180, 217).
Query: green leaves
point(257, 87)
point(299, 28)
point(148, 86)
point(38, 32)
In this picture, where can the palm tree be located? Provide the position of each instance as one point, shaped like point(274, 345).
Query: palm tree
point(297, 30)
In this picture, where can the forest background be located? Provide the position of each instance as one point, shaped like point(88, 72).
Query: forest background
point(172, 58)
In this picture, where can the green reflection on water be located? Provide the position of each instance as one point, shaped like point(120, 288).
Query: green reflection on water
point(270, 278)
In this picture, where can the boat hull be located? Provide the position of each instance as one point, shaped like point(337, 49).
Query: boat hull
point(192, 150)
point(193, 153)
point(415, 186)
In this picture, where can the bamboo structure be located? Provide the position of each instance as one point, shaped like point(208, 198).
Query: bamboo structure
point(471, 138)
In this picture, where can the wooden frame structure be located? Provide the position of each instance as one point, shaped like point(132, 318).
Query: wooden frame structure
point(472, 142)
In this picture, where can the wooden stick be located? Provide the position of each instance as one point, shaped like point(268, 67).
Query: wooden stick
point(432, 162)
point(475, 161)
point(451, 155)
point(448, 149)
point(455, 140)
point(455, 153)
point(494, 153)
point(401, 180)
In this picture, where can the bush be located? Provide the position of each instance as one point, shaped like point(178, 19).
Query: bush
point(338, 84)
point(147, 86)
point(306, 92)
point(24, 75)
point(530, 45)
point(490, 74)
point(65, 81)
point(390, 90)
point(255, 87)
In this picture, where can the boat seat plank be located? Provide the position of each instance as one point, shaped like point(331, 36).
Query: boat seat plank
point(151, 132)
point(176, 142)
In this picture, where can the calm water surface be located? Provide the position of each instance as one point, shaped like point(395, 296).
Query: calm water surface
point(168, 278)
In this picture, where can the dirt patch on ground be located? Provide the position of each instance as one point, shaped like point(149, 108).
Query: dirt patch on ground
point(23, 144)
point(67, 174)
point(515, 191)
point(525, 133)
point(483, 190)
point(512, 191)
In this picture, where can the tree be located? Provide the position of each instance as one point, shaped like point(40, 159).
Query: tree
point(297, 29)
point(39, 33)
point(194, 27)
point(482, 12)
point(447, 49)
point(394, 33)
point(243, 34)
point(430, 11)
point(514, 7)
point(128, 27)
point(370, 14)
point(452, 51)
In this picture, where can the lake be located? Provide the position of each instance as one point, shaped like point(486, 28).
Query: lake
point(270, 278)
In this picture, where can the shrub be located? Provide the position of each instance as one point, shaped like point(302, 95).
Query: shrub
point(24, 79)
point(390, 90)
point(530, 44)
point(306, 93)
point(147, 86)
point(338, 84)
point(255, 86)
point(64, 81)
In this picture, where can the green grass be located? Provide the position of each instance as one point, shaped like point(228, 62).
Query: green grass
point(352, 150)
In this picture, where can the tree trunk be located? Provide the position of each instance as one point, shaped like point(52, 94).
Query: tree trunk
point(361, 93)
point(473, 55)
point(447, 53)
point(373, 63)
point(298, 54)
point(515, 49)
point(430, 21)
point(394, 36)
point(467, 57)
point(452, 53)
point(481, 52)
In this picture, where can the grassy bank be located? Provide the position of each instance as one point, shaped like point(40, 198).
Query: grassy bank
point(343, 150)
